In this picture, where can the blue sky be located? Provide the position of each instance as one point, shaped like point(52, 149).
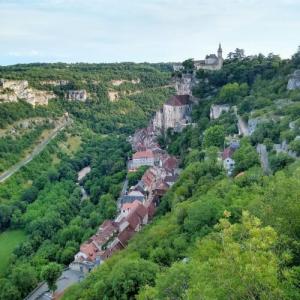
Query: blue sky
point(143, 30)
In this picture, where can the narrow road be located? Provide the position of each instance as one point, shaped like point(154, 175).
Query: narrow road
point(123, 192)
point(263, 155)
point(38, 149)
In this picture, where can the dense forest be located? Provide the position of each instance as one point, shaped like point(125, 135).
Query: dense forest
point(217, 236)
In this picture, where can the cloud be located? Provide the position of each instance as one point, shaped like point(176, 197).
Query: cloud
point(31, 53)
point(144, 30)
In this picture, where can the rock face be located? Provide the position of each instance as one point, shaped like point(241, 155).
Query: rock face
point(55, 82)
point(184, 85)
point(217, 110)
point(77, 95)
point(120, 81)
point(294, 81)
point(13, 90)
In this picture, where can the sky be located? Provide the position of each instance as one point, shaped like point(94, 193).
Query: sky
point(144, 30)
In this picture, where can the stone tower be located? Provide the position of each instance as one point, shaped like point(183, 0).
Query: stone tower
point(220, 57)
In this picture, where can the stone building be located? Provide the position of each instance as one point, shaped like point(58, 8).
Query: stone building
point(175, 114)
point(77, 95)
point(294, 81)
point(211, 62)
point(142, 158)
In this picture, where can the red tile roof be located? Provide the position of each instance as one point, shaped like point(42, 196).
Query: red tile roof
point(170, 163)
point(227, 153)
point(143, 154)
point(179, 100)
point(125, 236)
point(136, 216)
point(90, 250)
point(131, 206)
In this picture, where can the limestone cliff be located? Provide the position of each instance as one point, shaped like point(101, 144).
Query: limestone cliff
point(13, 90)
point(184, 85)
point(294, 81)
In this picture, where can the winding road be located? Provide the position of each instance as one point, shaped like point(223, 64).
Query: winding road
point(37, 150)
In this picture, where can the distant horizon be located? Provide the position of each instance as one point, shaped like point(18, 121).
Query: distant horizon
point(153, 31)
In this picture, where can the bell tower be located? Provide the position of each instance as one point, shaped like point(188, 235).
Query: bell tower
point(220, 57)
point(220, 51)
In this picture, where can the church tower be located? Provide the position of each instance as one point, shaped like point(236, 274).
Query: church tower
point(220, 51)
point(220, 57)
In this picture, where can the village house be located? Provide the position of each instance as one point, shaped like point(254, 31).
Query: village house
point(132, 196)
point(228, 162)
point(142, 158)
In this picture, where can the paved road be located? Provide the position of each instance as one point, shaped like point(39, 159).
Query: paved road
point(263, 155)
point(38, 149)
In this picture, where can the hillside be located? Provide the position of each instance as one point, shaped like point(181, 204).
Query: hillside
point(222, 233)
point(226, 229)
point(43, 200)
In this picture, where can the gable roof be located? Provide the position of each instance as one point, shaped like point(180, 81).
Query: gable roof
point(179, 100)
point(143, 154)
point(132, 205)
point(227, 153)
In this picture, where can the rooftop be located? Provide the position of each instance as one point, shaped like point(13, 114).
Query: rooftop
point(143, 154)
point(179, 100)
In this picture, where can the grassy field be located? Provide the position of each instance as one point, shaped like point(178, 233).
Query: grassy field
point(8, 241)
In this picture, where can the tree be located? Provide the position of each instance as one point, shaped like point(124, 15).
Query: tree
point(50, 273)
point(295, 146)
point(25, 278)
point(237, 54)
point(214, 136)
point(245, 157)
point(232, 92)
point(279, 161)
point(236, 263)
point(188, 65)
point(8, 290)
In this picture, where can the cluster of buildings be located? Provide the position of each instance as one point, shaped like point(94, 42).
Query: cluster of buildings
point(211, 62)
point(137, 204)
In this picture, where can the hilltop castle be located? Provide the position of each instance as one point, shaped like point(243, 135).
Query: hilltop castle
point(211, 62)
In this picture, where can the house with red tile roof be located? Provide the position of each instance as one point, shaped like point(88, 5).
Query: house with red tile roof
point(142, 158)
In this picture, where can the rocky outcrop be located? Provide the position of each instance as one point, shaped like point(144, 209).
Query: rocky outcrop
point(55, 82)
point(118, 82)
point(217, 110)
point(14, 90)
point(184, 84)
point(113, 96)
point(294, 81)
